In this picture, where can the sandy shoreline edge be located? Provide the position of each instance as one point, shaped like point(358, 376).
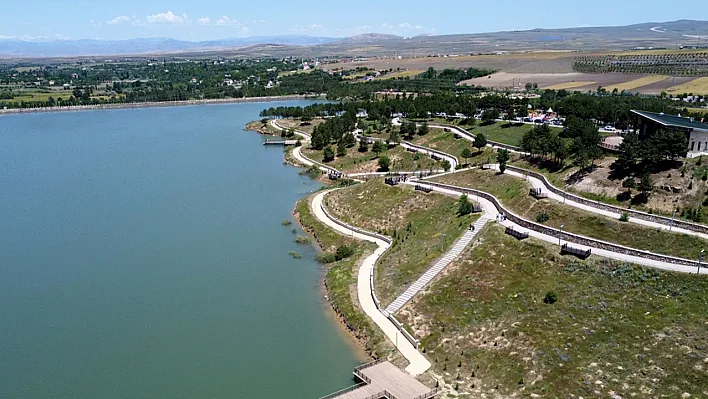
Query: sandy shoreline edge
point(155, 104)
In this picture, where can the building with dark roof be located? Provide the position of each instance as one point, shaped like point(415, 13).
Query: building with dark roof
point(649, 123)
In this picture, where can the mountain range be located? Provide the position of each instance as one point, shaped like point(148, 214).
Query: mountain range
point(671, 34)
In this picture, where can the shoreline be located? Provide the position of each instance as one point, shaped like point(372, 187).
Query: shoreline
point(331, 309)
point(157, 104)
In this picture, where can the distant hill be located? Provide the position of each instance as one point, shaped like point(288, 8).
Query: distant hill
point(87, 47)
point(671, 35)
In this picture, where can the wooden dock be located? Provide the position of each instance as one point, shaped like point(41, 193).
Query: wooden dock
point(382, 380)
point(280, 142)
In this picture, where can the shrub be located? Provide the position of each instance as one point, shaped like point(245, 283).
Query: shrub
point(624, 217)
point(286, 222)
point(295, 254)
point(550, 298)
point(465, 206)
point(384, 163)
point(302, 239)
point(326, 257)
point(343, 252)
point(542, 217)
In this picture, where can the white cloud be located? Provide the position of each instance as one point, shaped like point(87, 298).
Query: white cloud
point(245, 29)
point(226, 21)
point(204, 21)
point(167, 18)
point(308, 28)
point(118, 20)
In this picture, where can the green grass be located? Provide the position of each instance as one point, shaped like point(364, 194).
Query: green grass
point(417, 222)
point(615, 328)
point(448, 142)
point(501, 132)
point(513, 192)
point(341, 278)
point(356, 161)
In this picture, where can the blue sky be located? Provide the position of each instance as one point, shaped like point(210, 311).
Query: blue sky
point(212, 19)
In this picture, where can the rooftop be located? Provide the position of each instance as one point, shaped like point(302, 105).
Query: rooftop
point(672, 120)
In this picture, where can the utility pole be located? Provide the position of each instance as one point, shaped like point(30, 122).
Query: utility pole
point(672, 219)
point(560, 234)
point(700, 258)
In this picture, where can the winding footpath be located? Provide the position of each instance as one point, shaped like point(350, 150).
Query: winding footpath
point(418, 364)
point(383, 318)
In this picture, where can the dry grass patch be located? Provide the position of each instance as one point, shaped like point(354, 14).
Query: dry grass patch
point(695, 86)
point(424, 226)
point(633, 84)
point(569, 85)
point(615, 328)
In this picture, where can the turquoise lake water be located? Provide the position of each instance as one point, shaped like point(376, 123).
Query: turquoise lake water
point(142, 256)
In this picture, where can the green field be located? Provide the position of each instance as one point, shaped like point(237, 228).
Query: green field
point(615, 328)
point(513, 192)
point(417, 222)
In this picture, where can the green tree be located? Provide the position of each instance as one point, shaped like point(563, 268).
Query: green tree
point(466, 154)
point(646, 185)
point(489, 116)
point(378, 148)
point(384, 163)
point(423, 129)
point(349, 140)
point(363, 146)
point(328, 153)
point(585, 147)
point(480, 141)
point(502, 159)
point(446, 165)
point(464, 206)
point(341, 148)
point(394, 137)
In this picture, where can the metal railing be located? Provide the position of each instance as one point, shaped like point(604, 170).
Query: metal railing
point(345, 390)
point(429, 394)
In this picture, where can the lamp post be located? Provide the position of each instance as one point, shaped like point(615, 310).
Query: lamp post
point(560, 234)
point(672, 219)
point(700, 258)
point(565, 192)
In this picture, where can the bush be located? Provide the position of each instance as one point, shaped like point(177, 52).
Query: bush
point(295, 254)
point(542, 217)
point(384, 163)
point(302, 239)
point(465, 206)
point(550, 298)
point(446, 165)
point(624, 217)
point(286, 222)
point(326, 257)
point(343, 252)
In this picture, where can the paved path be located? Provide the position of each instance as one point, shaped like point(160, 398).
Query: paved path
point(441, 264)
point(489, 208)
point(418, 364)
point(538, 183)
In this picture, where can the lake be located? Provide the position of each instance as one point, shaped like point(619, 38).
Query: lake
point(142, 255)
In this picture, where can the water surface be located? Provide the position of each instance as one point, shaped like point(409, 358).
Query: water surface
point(142, 256)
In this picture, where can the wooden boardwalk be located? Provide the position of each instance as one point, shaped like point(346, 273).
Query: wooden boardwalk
point(381, 379)
point(280, 142)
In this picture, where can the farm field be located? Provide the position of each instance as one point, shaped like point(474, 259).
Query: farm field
point(696, 86)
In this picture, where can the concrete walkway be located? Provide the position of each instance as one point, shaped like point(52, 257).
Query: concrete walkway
point(489, 208)
point(418, 364)
point(441, 264)
point(537, 183)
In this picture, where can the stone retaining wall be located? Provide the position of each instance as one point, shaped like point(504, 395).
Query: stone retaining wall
point(611, 208)
point(568, 237)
